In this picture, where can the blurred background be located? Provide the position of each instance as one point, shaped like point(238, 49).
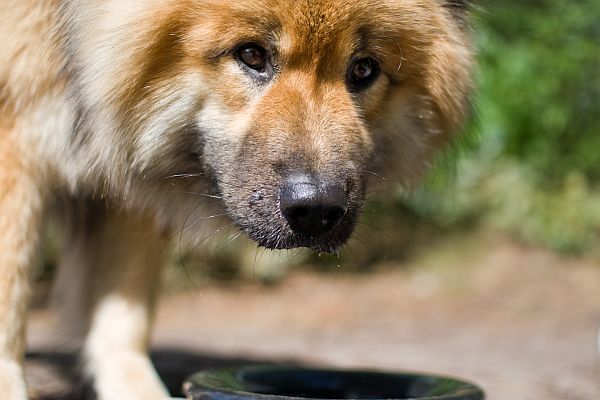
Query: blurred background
point(489, 271)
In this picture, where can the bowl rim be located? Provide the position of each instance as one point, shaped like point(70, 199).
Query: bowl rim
point(205, 382)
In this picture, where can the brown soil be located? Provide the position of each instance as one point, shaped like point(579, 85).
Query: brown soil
point(521, 322)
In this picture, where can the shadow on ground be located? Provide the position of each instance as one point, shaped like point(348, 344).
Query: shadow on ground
point(57, 375)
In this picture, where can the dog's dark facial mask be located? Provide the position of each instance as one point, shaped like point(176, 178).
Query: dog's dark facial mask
point(295, 177)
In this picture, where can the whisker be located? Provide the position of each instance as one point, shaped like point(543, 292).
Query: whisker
point(185, 226)
point(369, 225)
point(352, 254)
point(215, 232)
point(212, 196)
point(180, 234)
point(383, 178)
point(257, 249)
point(184, 176)
point(401, 58)
point(220, 245)
point(358, 238)
point(203, 219)
point(233, 236)
point(186, 272)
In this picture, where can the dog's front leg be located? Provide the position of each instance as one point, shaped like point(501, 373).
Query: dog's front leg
point(126, 251)
point(20, 214)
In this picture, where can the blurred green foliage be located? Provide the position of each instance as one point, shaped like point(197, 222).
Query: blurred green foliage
point(540, 84)
point(534, 166)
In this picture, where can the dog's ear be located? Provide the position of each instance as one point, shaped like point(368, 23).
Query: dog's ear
point(458, 8)
point(460, 4)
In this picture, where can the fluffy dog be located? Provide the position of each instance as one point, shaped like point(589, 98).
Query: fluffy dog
point(139, 114)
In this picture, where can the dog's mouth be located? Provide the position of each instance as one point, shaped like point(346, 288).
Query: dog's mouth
point(276, 235)
point(300, 212)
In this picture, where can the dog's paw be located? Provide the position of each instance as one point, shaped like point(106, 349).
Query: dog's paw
point(12, 383)
point(127, 376)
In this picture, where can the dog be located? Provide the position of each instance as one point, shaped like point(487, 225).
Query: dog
point(139, 115)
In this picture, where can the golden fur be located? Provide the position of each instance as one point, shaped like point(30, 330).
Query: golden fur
point(128, 107)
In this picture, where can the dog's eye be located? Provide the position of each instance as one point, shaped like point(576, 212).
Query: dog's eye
point(255, 61)
point(253, 56)
point(362, 73)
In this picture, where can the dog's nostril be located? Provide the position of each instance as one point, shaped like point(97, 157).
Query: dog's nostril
point(335, 214)
point(311, 208)
point(297, 212)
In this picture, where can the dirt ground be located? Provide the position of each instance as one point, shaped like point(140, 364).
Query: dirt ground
point(521, 322)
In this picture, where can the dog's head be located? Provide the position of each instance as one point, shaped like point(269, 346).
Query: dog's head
point(290, 105)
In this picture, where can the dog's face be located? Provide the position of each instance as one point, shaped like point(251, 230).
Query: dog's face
point(285, 130)
point(290, 105)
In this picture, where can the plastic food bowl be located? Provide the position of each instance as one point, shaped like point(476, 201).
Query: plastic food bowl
point(284, 383)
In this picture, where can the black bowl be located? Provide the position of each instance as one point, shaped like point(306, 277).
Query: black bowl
point(285, 383)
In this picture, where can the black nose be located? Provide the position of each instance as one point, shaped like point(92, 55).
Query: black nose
point(311, 207)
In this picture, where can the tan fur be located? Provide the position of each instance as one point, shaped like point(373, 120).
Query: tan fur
point(139, 113)
point(20, 199)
